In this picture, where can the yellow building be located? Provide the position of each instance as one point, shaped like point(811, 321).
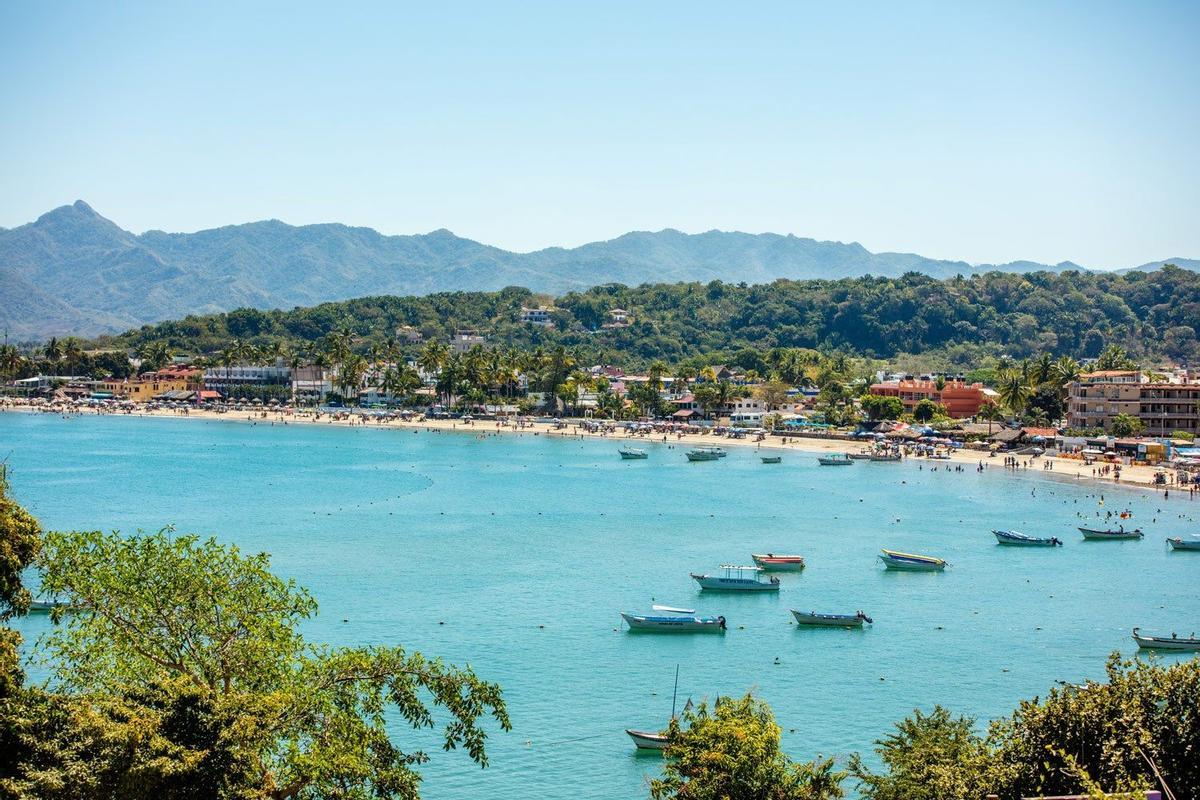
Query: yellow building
point(152, 384)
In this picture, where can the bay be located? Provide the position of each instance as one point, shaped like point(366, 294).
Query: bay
point(515, 553)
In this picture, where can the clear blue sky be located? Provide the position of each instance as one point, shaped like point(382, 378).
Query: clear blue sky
point(987, 132)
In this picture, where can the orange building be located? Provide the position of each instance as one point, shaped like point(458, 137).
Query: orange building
point(960, 399)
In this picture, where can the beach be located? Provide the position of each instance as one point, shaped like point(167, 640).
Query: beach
point(1059, 466)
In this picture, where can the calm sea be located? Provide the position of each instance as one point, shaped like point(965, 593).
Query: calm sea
point(516, 553)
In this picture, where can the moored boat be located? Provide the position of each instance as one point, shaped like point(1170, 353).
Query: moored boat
point(858, 456)
point(633, 453)
point(893, 559)
point(674, 623)
point(1172, 642)
point(834, 460)
point(701, 454)
point(778, 563)
point(885, 457)
point(1179, 543)
point(737, 579)
point(772, 459)
point(46, 606)
point(1018, 539)
point(646, 740)
point(1119, 533)
point(855, 620)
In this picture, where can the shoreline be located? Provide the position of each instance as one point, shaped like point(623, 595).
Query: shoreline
point(1136, 477)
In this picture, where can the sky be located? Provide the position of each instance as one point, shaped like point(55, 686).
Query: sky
point(987, 132)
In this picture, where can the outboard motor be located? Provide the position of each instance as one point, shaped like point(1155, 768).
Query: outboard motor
point(721, 621)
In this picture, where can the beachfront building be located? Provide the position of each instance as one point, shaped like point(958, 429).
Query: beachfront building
point(959, 398)
point(312, 384)
point(1096, 398)
point(1165, 408)
point(174, 381)
point(252, 382)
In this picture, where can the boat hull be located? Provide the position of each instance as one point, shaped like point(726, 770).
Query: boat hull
point(1007, 538)
point(672, 624)
point(633, 456)
point(778, 563)
point(827, 620)
point(884, 458)
point(719, 584)
point(834, 461)
point(1163, 643)
point(645, 740)
point(1184, 544)
point(1099, 535)
point(907, 562)
point(702, 456)
point(772, 459)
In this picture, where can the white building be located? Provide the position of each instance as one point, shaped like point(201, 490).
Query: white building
point(537, 316)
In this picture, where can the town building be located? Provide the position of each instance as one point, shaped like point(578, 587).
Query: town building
point(1096, 398)
point(537, 316)
point(276, 379)
point(959, 398)
point(312, 384)
point(617, 318)
point(464, 340)
point(1168, 407)
point(174, 382)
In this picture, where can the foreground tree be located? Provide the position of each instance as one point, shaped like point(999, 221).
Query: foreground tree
point(732, 753)
point(211, 637)
point(20, 539)
point(1138, 730)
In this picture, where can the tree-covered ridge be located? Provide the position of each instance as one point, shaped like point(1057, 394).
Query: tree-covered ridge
point(963, 318)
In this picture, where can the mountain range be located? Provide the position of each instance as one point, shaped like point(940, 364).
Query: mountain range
point(74, 272)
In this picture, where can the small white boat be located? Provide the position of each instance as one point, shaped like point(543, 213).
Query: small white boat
point(674, 623)
point(1018, 539)
point(858, 456)
point(632, 453)
point(1172, 642)
point(645, 740)
point(893, 559)
point(1120, 533)
point(737, 579)
point(772, 459)
point(1179, 543)
point(701, 455)
point(773, 562)
point(834, 460)
point(854, 620)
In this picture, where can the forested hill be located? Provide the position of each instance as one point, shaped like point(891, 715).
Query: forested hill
point(74, 272)
point(1075, 313)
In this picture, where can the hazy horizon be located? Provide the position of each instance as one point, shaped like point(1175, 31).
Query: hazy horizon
point(982, 133)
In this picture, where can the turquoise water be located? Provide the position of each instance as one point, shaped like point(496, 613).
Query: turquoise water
point(465, 547)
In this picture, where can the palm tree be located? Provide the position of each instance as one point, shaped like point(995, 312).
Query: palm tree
point(53, 352)
point(1013, 389)
point(11, 361)
point(433, 357)
point(154, 355)
point(991, 412)
point(72, 352)
point(350, 375)
point(1043, 370)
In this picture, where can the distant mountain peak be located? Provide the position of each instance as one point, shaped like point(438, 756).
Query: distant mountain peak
point(93, 277)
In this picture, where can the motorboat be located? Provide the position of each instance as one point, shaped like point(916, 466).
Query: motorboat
point(893, 559)
point(772, 459)
point(1179, 543)
point(834, 460)
point(1018, 539)
point(854, 620)
point(674, 623)
point(737, 579)
point(1172, 642)
point(701, 454)
point(1119, 533)
point(632, 453)
point(884, 457)
point(774, 562)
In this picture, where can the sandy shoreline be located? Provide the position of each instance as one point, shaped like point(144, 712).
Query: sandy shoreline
point(1063, 468)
